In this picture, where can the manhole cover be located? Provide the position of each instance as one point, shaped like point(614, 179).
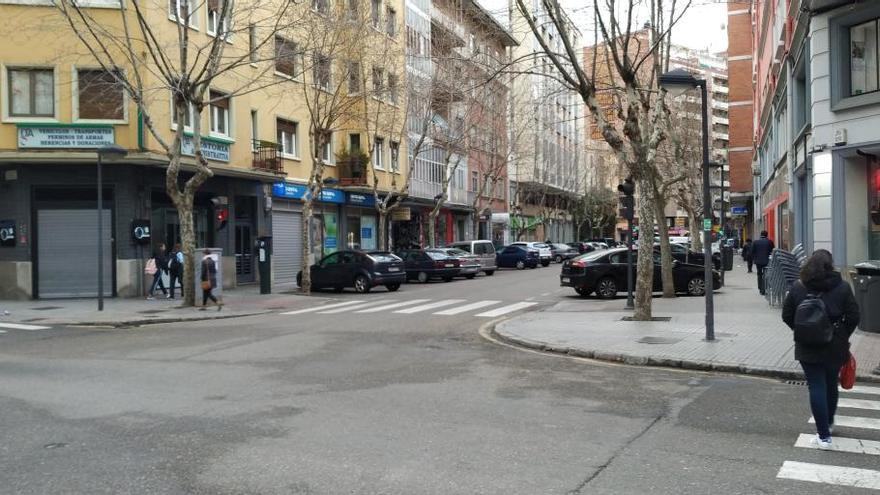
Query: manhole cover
point(657, 340)
point(46, 308)
point(152, 311)
point(656, 318)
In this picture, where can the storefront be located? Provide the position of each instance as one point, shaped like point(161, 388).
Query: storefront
point(360, 227)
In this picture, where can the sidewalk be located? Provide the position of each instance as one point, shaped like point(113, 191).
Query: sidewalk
point(750, 335)
point(120, 312)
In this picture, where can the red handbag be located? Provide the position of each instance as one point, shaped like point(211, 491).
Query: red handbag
point(848, 373)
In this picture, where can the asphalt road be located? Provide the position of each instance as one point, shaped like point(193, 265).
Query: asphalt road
point(381, 403)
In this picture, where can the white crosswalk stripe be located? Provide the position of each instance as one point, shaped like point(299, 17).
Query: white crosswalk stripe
point(506, 309)
point(842, 444)
point(426, 307)
point(352, 308)
point(862, 389)
point(466, 308)
point(854, 422)
point(872, 405)
point(21, 326)
point(320, 308)
point(385, 307)
point(835, 475)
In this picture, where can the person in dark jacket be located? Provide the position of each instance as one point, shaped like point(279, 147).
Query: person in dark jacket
point(747, 254)
point(175, 269)
point(159, 258)
point(822, 364)
point(761, 251)
point(209, 280)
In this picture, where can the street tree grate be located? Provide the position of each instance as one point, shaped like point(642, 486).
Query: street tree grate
point(46, 308)
point(658, 340)
point(798, 383)
point(655, 318)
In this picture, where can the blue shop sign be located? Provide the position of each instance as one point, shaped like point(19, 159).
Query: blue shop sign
point(300, 191)
point(366, 233)
point(361, 199)
point(738, 210)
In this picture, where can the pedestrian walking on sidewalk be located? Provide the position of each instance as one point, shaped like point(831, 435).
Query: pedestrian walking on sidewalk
point(209, 281)
point(175, 269)
point(155, 267)
point(761, 251)
point(822, 362)
point(747, 254)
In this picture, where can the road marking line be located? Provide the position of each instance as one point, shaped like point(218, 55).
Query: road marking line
point(854, 422)
point(840, 444)
point(21, 326)
point(2, 331)
point(392, 306)
point(873, 405)
point(466, 307)
point(425, 307)
point(355, 307)
point(506, 309)
point(833, 475)
point(862, 389)
point(321, 308)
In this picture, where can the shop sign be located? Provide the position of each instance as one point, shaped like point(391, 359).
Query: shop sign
point(217, 151)
point(361, 199)
point(366, 233)
point(7, 233)
point(738, 210)
point(401, 214)
point(52, 136)
point(300, 191)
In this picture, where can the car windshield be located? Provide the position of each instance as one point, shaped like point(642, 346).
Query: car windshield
point(541, 245)
point(457, 252)
point(383, 257)
point(436, 254)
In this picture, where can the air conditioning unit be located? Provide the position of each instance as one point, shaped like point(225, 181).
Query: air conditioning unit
point(839, 137)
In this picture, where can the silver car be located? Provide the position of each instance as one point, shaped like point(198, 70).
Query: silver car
point(482, 249)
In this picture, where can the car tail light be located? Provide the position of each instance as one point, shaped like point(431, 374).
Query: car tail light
point(578, 264)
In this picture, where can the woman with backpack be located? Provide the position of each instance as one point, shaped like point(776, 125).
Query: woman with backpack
point(821, 310)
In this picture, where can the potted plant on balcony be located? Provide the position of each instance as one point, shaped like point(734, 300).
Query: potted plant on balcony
point(353, 165)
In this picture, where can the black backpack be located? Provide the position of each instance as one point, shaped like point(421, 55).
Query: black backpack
point(812, 326)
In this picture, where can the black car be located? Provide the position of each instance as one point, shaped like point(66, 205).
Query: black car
point(562, 252)
point(582, 247)
point(516, 256)
point(604, 272)
point(684, 255)
point(425, 264)
point(362, 270)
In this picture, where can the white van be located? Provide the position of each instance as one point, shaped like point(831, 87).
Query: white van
point(484, 250)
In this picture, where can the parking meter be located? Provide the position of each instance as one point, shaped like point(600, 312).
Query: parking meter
point(264, 264)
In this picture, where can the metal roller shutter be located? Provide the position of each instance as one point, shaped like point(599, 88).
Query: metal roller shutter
point(287, 246)
point(68, 256)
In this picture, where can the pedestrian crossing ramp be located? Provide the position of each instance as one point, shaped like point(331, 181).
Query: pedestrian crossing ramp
point(855, 445)
point(6, 326)
point(443, 307)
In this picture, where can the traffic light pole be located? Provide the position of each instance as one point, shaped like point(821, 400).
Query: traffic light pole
point(629, 263)
point(708, 279)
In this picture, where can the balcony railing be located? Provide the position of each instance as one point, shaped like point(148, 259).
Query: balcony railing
point(266, 156)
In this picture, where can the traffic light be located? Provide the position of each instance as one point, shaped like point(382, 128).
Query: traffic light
point(627, 202)
point(221, 211)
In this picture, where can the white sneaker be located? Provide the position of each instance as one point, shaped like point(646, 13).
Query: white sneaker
point(823, 444)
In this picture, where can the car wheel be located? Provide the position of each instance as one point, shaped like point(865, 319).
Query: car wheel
point(545, 263)
point(361, 284)
point(582, 291)
point(392, 287)
point(423, 277)
point(471, 276)
point(696, 286)
point(606, 288)
point(489, 273)
point(558, 259)
point(520, 265)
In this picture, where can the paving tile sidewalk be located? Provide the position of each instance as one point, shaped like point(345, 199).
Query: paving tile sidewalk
point(750, 335)
point(244, 301)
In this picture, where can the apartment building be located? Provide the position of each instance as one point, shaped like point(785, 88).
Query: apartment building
point(58, 107)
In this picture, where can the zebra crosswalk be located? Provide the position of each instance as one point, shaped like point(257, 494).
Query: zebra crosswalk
point(489, 308)
point(21, 326)
point(845, 445)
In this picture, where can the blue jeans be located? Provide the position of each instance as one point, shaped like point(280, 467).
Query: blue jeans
point(822, 380)
point(157, 283)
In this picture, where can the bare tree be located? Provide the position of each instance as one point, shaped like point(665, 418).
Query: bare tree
point(151, 63)
point(597, 208)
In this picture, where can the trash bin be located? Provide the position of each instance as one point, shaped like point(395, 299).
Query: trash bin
point(866, 284)
point(727, 258)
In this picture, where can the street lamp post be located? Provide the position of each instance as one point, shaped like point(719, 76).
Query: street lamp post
point(109, 153)
point(676, 82)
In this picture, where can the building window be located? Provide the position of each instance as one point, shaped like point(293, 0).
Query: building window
point(354, 77)
point(32, 92)
point(255, 134)
point(252, 43)
point(183, 11)
point(379, 153)
point(215, 23)
point(392, 88)
point(354, 142)
point(219, 108)
point(288, 137)
point(375, 12)
point(322, 71)
point(99, 96)
point(327, 150)
point(475, 181)
point(863, 58)
point(378, 82)
point(390, 22)
point(187, 116)
point(395, 156)
point(321, 6)
point(285, 57)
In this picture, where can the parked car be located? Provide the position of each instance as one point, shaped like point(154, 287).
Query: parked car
point(598, 245)
point(425, 264)
point(562, 252)
point(544, 252)
point(582, 247)
point(607, 241)
point(683, 254)
point(517, 256)
point(469, 263)
point(483, 250)
point(604, 272)
point(362, 270)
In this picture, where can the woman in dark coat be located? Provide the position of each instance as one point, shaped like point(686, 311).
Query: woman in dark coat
point(822, 364)
point(747, 254)
point(209, 280)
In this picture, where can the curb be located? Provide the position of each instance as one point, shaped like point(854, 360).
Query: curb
point(687, 364)
point(155, 321)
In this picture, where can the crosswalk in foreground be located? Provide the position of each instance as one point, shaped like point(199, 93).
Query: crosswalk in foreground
point(844, 445)
point(444, 307)
point(20, 326)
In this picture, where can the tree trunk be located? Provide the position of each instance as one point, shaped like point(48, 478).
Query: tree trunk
point(188, 243)
point(383, 234)
point(696, 238)
point(645, 268)
point(665, 249)
point(432, 228)
point(306, 284)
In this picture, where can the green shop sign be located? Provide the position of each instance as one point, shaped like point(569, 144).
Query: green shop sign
point(70, 136)
point(524, 223)
point(212, 149)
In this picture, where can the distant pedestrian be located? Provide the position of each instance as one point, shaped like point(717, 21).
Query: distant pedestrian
point(822, 362)
point(747, 253)
point(761, 251)
point(156, 265)
point(209, 281)
point(175, 269)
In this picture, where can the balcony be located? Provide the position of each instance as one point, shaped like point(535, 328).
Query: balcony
point(265, 156)
point(352, 169)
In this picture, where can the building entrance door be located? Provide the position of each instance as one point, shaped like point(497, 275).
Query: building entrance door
point(244, 240)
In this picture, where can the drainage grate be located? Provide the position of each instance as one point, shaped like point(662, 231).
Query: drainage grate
point(47, 308)
point(656, 318)
point(657, 340)
point(797, 383)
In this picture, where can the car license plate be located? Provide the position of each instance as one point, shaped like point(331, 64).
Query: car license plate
point(566, 279)
point(449, 265)
point(393, 269)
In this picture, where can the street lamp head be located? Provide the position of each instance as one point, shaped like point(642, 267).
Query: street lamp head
point(677, 81)
point(112, 152)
